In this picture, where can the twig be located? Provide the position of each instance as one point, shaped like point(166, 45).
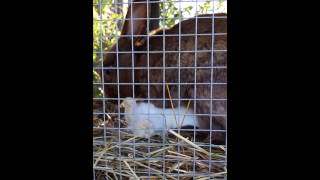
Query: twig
point(114, 174)
point(125, 162)
point(174, 114)
point(178, 157)
point(185, 113)
point(153, 169)
point(157, 151)
point(175, 166)
point(179, 154)
point(105, 150)
point(189, 142)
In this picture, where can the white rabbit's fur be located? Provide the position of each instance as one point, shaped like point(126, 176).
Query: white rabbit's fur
point(146, 120)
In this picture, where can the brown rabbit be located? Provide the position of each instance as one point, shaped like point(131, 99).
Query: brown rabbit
point(196, 72)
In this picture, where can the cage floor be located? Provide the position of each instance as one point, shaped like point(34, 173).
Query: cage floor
point(120, 155)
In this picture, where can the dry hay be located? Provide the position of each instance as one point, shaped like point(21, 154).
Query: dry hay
point(119, 153)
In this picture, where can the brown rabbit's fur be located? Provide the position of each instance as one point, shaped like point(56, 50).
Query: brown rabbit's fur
point(187, 59)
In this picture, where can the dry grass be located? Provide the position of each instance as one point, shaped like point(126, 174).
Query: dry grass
point(167, 157)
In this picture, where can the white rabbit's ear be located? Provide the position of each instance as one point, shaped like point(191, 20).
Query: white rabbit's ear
point(136, 18)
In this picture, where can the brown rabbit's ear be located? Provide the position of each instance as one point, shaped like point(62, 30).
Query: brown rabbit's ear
point(133, 24)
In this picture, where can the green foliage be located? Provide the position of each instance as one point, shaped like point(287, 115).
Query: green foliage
point(105, 28)
point(97, 91)
point(105, 31)
point(221, 6)
point(170, 13)
point(206, 7)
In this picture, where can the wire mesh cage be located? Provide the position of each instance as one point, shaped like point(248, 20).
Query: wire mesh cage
point(160, 89)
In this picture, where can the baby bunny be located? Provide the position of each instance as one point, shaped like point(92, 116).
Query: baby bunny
point(146, 120)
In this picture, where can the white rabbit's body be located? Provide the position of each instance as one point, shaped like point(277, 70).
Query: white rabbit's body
point(146, 120)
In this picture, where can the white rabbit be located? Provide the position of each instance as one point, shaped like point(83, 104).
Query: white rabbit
point(146, 120)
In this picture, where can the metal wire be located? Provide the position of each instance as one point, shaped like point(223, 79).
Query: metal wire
point(108, 140)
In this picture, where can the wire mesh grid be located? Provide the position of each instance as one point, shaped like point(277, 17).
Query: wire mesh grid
point(160, 89)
